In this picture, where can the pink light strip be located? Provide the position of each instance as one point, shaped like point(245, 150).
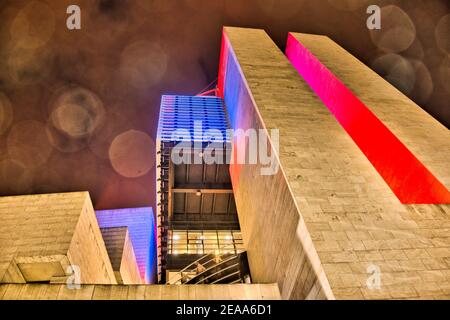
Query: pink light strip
point(407, 177)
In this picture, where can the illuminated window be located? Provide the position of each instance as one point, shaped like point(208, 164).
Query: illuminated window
point(205, 242)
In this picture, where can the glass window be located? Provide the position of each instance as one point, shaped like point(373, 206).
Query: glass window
point(225, 235)
point(237, 235)
point(210, 235)
point(203, 242)
point(194, 235)
point(179, 235)
point(195, 246)
point(213, 245)
point(195, 242)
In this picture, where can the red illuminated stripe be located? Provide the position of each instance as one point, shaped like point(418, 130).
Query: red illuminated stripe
point(407, 177)
point(222, 65)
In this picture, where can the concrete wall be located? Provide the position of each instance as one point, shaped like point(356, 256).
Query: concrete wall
point(398, 142)
point(41, 235)
point(121, 253)
point(268, 212)
point(427, 139)
point(142, 230)
point(326, 220)
point(149, 292)
point(129, 269)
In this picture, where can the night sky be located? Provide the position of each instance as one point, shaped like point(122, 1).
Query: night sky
point(79, 109)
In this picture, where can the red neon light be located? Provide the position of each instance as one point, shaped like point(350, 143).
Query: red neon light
point(222, 66)
point(407, 177)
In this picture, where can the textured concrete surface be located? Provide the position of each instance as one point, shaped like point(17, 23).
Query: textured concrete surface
point(121, 253)
point(423, 135)
point(142, 292)
point(321, 226)
point(41, 235)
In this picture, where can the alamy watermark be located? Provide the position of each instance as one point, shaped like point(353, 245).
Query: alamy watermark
point(73, 281)
point(374, 280)
point(73, 22)
point(251, 146)
point(374, 20)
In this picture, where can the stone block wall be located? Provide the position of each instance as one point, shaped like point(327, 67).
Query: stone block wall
point(42, 235)
point(121, 254)
point(326, 222)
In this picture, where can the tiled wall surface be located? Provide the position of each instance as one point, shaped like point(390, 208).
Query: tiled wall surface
point(322, 225)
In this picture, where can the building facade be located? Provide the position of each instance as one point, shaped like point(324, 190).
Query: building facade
point(349, 199)
point(199, 239)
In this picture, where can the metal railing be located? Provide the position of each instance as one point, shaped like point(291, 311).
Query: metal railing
point(202, 280)
point(208, 262)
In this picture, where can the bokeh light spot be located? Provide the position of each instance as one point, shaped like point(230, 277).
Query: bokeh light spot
point(34, 26)
point(143, 64)
point(397, 31)
point(19, 178)
point(28, 144)
point(442, 33)
point(131, 154)
point(444, 73)
point(397, 70)
point(6, 113)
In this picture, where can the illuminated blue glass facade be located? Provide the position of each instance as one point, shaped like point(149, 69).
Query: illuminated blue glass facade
point(198, 120)
point(190, 117)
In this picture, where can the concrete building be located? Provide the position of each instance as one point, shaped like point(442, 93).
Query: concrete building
point(338, 222)
point(43, 235)
point(349, 201)
point(52, 248)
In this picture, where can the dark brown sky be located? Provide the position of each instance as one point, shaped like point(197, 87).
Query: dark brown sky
point(78, 109)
